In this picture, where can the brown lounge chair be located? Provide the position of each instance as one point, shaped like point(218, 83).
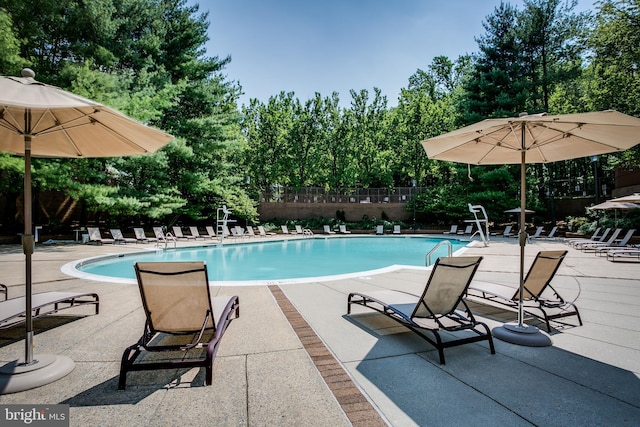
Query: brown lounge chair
point(179, 308)
point(437, 308)
point(12, 311)
point(540, 298)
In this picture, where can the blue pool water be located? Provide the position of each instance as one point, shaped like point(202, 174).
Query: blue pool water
point(284, 259)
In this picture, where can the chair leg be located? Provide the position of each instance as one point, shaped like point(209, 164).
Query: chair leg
point(127, 361)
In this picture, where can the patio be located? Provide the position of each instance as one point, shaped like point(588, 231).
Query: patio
point(294, 358)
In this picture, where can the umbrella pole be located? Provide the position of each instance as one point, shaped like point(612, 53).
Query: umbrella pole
point(522, 233)
point(27, 247)
point(29, 373)
point(521, 333)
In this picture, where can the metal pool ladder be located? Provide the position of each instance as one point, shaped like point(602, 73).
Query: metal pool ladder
point(427, 260)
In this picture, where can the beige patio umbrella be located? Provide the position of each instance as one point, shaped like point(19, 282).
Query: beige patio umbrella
point(39, 120)
point(614, 206)
point(631, 198)
point(538, 138)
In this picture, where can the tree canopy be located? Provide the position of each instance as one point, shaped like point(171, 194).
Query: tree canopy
point(146, 58)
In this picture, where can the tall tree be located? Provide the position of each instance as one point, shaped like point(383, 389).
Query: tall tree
point(614, 72)
point(497, 87)
point(552, 44)
point(146, 58)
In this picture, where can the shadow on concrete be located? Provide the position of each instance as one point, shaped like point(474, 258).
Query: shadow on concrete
point(517, 386)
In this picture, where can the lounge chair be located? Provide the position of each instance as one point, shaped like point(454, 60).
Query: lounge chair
point(250, 231)
point(327, 230)
point(624, 254)
point(551, 235)
point(594, 237)
point(12, 311)
point(196, 233)
point(507, 231)
point(263, 233)
point(379, 230)
point(540, 298)
point(590, 246)
point(467, 230)
point(96, 237)
point(177, 232)
point(396, 229)
point(141, 236)
point(285, 230)
point(343, 229)
point(299, 229)
point(452, 230)
point(211, 233)
point(116, 233)
point(579, 242)
point(602, 250)
point(436, 309)
point(237, 231)
point(226, 232)
point(538, 233)
point(179, 308)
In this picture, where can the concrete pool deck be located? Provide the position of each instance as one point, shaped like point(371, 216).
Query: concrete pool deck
point(294, 358)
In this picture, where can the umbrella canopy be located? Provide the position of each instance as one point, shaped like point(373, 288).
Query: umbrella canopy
point(632, 198)
point(544, 138)
point(62, 124)
point(538, 138)
point(610, 204)
point(518, 210)
point(40, 120)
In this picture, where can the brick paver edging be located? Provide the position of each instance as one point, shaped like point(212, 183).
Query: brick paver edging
point(357, 408)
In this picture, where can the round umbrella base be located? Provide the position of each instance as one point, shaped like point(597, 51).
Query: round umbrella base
point(17, 376)
point(525, 335)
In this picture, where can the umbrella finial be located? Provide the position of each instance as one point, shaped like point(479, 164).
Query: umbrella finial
point(28, 72)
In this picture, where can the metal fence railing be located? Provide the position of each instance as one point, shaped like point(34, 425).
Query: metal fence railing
point(279, 194)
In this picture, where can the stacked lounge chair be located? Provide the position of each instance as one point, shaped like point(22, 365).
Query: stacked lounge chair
point(622, 243)
point(594, 237)
point(591, 246)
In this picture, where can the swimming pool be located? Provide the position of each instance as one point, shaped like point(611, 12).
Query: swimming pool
point(277, 261)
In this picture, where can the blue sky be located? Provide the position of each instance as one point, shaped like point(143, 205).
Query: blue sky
point(338, 45)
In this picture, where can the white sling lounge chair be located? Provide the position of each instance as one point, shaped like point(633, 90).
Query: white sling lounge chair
point(12, 311)
point(177, 232)
point(96, 237)
point(141, 236)
point(116, 233)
